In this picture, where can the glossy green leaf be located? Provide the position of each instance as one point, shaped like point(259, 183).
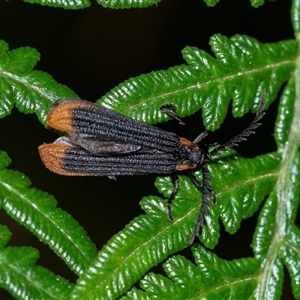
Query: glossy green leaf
point(5, 235)
point(135, 294)
point(211, 2)
point(240, 185)
point(66, 4)
point(29, 90)
point(209, 83)
point(4, 160)
point(254, 3)
point(285, 115)
point(210, 278)
point(121, 4)
point(257, 3)
point(262, 240)
point(144, 242)
point(23, 279)
point(37, 211)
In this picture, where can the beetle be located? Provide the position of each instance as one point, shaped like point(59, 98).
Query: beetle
point(101, 142)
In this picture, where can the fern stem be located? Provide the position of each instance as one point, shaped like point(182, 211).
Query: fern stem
point(287, 186)
point(295, 18)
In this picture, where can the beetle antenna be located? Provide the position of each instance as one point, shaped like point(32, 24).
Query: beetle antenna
point(208, 193)
point(242, 136)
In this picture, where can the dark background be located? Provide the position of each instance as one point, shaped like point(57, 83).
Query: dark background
point(91, 51)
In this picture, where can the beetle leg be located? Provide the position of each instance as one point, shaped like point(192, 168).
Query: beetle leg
point(166, 108)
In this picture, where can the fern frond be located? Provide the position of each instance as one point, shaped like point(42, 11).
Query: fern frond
point(121, 4)
point(37, 211)
point(210, 278)
point(277, 238)
point(29, 90)
point(69, 4)
point(242, 70)
point(22, 278)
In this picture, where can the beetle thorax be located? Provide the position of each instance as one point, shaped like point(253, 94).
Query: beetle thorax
point(190, 155)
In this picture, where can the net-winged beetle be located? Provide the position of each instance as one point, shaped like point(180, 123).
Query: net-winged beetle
point(102, 142)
